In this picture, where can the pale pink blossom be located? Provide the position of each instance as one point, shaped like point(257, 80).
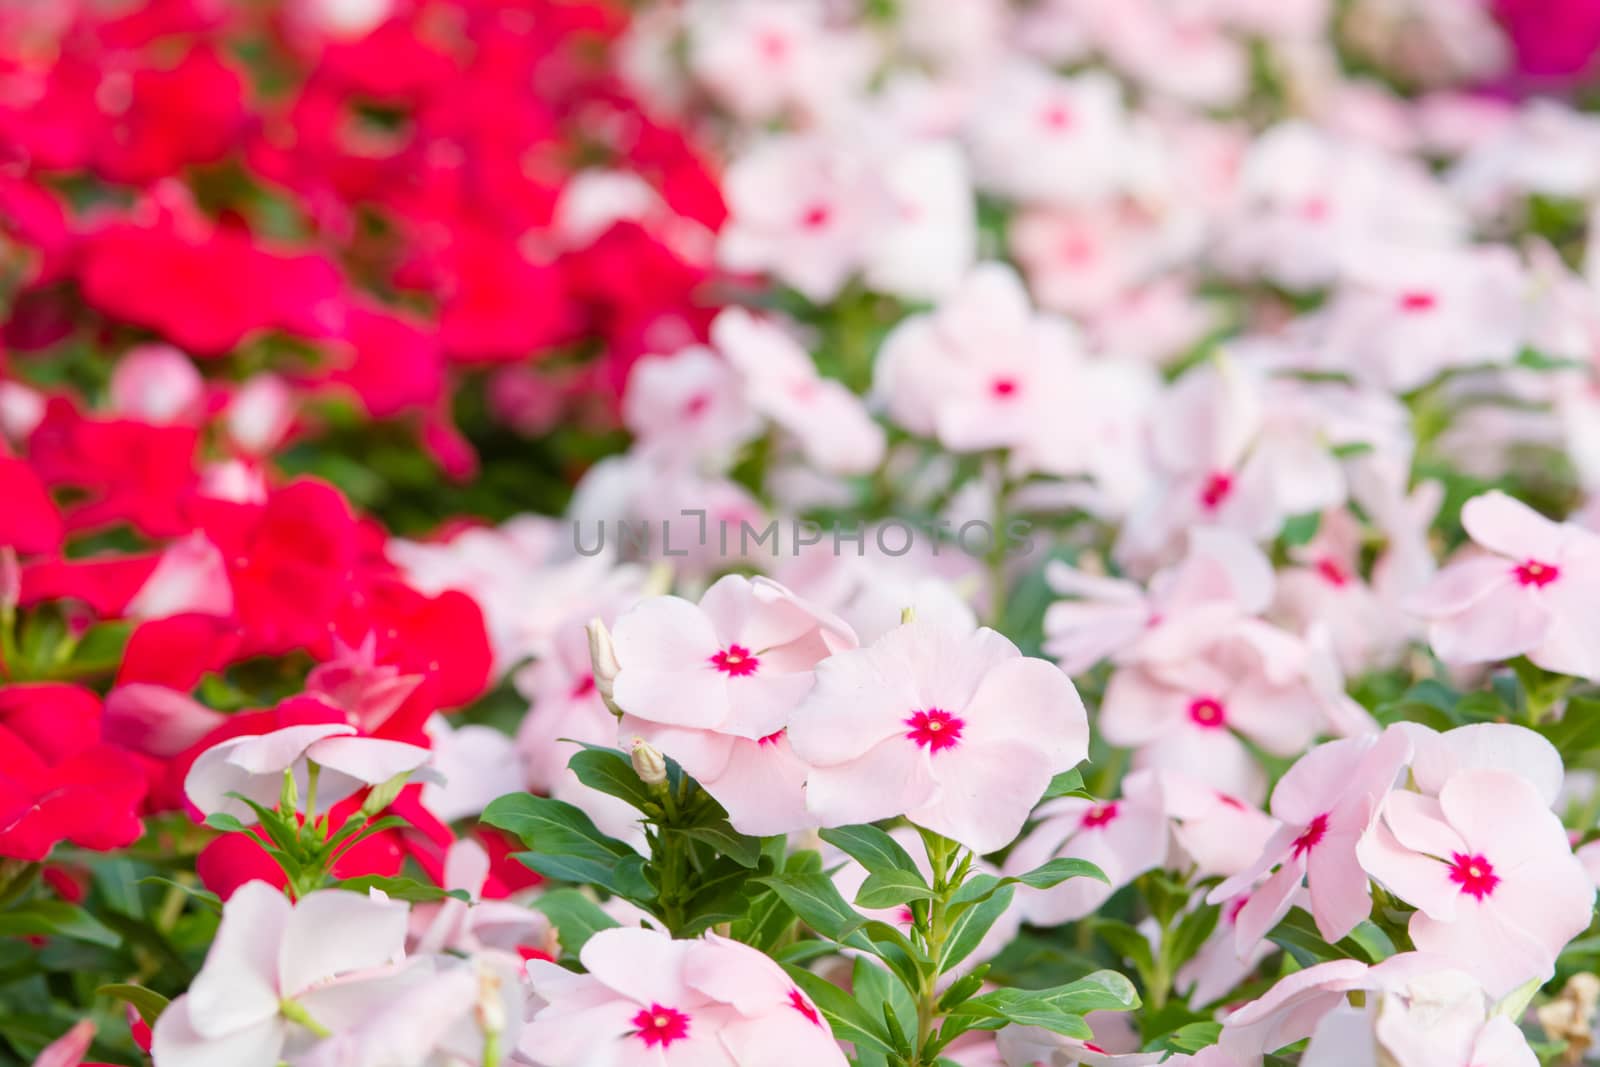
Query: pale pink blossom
point(69, 1049)
point(781, 382)
point(1497, 746)
point(190, 577)
point(1326, 802)
point(648, 1000)
point(1419, 1018)
point(259, 414)
point(1219, 967)
point(254, 767)
point(1123, 837)
point(1039, 137)
point(156, 720)
point(926, 233)
point(1491, 872)
point(478, 764)
point(738, 662)
point(799, 208)
point(157, 384)
point(982, 371)
point(328, 958)
point(1528, 592)
point(1220, 834)
point(689, 405)
point(353, 679)
point(957, 731)
point(1222, 580)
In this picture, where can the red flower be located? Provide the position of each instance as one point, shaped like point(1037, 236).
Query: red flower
point(29, 522)
point(58, 781)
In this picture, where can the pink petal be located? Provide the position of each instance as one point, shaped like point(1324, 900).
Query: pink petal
point(334, 931)
point(239, 985)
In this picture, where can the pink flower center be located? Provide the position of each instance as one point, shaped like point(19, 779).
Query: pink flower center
point(905, 917)
point(1099, 815)
point(1331, 571)
point(1418, 300)
point(1236, 907)
point(1315, 831)
point(1315, 208)
point(772, 738)
point(774, 46)
point(1207, 712)
point(1474, 874)
point(798, 1001)
point(1003, 387)
point(584, 687)
point(1096, 1049)
point(1537, 574)
point(1056, 117)
point(657, 1025)
point(736, 661)
point(816, 216)
point(1078, 250)
point(1218, 485)
point(697, 405)
point(934, 729)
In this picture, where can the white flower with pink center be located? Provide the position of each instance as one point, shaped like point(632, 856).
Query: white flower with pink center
point(649, 1001)
point(1039, 137)
point(689, 405)
point(736, 663)
point(1124, 838)
point(1325, 803)
point(959, 732)
point(1491, 872)
point(1529, 592)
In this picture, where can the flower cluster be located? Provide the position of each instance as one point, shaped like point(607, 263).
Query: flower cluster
point(762, 533)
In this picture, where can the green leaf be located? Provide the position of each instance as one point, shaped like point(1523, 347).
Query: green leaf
point(1300, 529)
point(221, 820)
point(612, 773)
point(968, 927)
point(397, 888)
point(877, 989)
point(56, 918)
point(1060, 1009)
point(888, 888)
point(575, 916)
point(553, 828)
point(204, 896)
point(147, 1002)
point(814, 898)
point(1065, 784)
point(872, 848)
point(1191, 933)
point(1190, 1038)
point(849, 1020)
point(1059, 870)
point(1577, 731)
point(740, 848)
point(1126, 941)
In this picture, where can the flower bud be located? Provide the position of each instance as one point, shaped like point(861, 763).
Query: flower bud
point(603, 658)
point(648, 763)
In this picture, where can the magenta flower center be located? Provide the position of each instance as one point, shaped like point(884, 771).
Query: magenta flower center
point(1057, 117)
point(1099, 815)
point(1207, 712)
point(770, 739)
point(657, 1025)
point(816, 216)
point(584, 687)
point(1418, 300)
point(1537, 574)
point(1216, 490)
point(798, 1001)
point(934, 729)
point(1474, 874)
point(1003, 387)
point(1315, 831)
point(1331, 572)
point(736, 661)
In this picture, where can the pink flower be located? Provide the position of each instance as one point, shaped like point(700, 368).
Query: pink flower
point(470, 926)
point(1491, 872)
point(1221, 834)
point(760, 782)
point(1124, 838)
point(780, 380)
point(1326, 802)
point(1527, 594)
point(738, 662)
point(157, 384)
point(648, 1000)
point(254, 766)
point(689, 405)
point(982, 371)
point(1222, 580)
point(69, 1049)
point(272, 964)
point(960, 733)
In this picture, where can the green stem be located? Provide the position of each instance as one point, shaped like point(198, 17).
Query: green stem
point(932, 932)
point(312, 771)
point(998, 593)
point(296, 1013)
